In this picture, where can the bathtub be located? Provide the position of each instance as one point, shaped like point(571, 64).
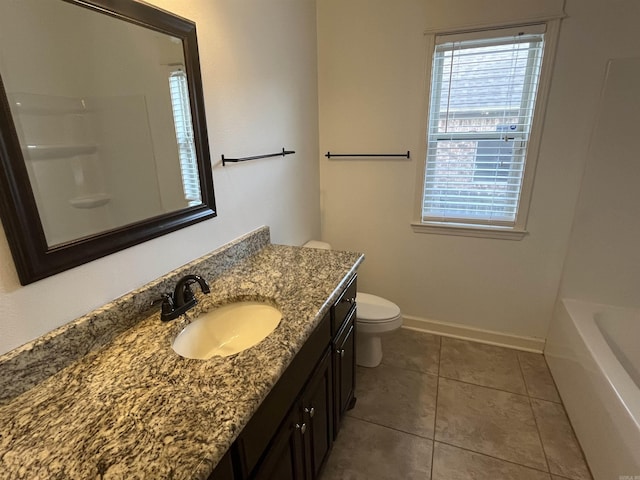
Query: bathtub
point(593, 352)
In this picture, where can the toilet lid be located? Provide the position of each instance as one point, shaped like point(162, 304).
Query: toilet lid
point(374, 308)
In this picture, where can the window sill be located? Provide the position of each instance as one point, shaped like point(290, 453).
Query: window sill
point(462, 230)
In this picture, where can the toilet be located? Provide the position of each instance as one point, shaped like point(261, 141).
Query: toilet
point(376, 316)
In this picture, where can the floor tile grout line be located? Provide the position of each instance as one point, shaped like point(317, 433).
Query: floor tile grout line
point(435, 440)
point(435, 409)
point(439, 354)
point(524, 378)
point(584, 457)
point(538, 397)
point(386, 365)
point(553, 381)
point(484, 386)
point(528, 395)
point(535, 420)
point(406, 368)
point(496, 458)
point(439, 375)
point(561, 403)
point(395, 429)
point(526, 385)
point(573, 432)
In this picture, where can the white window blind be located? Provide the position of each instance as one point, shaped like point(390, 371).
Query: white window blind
point(179, 91)
point(483, 91)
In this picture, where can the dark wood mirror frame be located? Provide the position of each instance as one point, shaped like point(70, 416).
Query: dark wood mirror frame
point(34, 259)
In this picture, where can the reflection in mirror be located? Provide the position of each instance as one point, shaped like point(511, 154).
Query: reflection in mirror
point(94, 117)
point(104, 109)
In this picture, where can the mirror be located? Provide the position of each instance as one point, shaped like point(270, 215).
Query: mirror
point(103, 139)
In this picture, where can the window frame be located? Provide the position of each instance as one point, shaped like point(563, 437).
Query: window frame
point(518, 230)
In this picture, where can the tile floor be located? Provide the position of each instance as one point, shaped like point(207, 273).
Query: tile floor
point(444, 409)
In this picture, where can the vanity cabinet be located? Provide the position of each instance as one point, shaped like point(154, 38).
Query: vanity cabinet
point(343, 322)
point(284, 460)
point(303, 442)
point(344, 370)
point(292, 433)
point(317, 411)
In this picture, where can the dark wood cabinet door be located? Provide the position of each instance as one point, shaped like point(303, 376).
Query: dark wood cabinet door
point(317, 414)
point(224, 469)
point(344, 369)
point(285, 457)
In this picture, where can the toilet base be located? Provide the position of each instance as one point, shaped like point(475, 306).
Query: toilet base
point(368, 350)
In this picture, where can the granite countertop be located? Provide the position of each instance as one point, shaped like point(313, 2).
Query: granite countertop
point(135, 409)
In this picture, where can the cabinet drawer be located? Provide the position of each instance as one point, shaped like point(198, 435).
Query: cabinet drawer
point(343, 306)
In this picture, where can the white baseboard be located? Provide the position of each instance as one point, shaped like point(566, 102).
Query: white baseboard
point(456, 330)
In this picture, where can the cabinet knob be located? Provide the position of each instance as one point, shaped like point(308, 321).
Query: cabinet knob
point(349, 300)
point(302, 428)
point(311, 411)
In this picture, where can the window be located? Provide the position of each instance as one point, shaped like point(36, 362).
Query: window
point(179, 92)
point(483, 94)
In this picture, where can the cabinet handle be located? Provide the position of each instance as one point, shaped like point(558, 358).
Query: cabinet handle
point(302, 428)
point(311, 411)
point(349, 300)
point(340, 352)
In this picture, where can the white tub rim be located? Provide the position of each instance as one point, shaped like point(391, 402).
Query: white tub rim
point(583, 315)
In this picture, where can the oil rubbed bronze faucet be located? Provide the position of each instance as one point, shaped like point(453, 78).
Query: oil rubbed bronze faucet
point(182, 299)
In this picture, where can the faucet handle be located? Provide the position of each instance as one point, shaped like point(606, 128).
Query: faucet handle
point(168, 307)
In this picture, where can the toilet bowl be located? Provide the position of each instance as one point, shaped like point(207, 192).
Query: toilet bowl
point(375, 317)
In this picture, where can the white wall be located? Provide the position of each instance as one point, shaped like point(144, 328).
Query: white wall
point(603, 263)
point(371, 87)
point(258, 61)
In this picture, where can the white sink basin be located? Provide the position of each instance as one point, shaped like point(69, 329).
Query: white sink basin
point(227, 330)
